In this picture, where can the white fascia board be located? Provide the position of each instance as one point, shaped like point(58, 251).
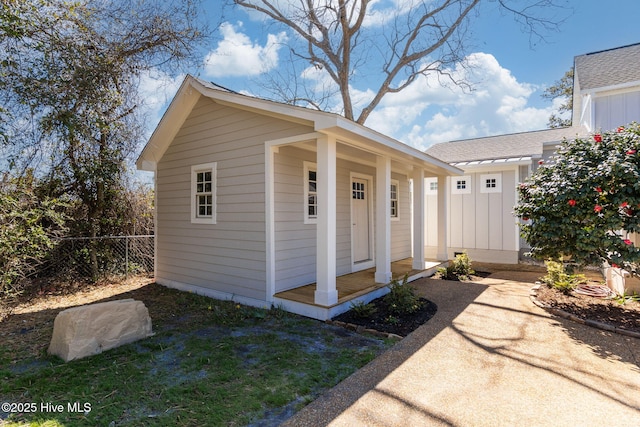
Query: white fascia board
point(169, 125)
point(342, 127)
point(613, 88)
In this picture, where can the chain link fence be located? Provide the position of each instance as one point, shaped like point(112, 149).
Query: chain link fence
point(89, 257)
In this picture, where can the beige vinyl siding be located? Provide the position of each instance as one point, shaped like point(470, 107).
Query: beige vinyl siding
point(401, 229)
point(295, 242)
point(228, 256)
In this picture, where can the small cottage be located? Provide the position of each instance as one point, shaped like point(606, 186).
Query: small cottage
point(270, 204)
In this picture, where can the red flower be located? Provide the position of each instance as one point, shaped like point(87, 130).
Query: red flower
point(614, 265)
point(524, 218)
point(598, 208)
point(572, 202)
point(631, 152)
point(540, 162)
point(627, 241)
point(599, 190)
point(597, 137)
point(621, 129)
point(624, 204)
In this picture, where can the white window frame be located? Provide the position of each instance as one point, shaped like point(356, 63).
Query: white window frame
point(497, 185)
point(195, 170)
point(429, 189)
point(455, 180)
point(309, 219)
point(396, 183)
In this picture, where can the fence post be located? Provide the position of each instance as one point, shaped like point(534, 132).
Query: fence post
point(126, 257)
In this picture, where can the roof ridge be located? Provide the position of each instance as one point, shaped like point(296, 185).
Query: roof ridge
point(610, 49)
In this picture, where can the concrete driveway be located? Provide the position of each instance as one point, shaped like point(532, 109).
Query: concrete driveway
point(490, 357)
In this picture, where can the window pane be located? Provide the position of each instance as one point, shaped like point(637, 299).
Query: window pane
point(207, 187)
point(199, 188)
point(312, 187)
point(312, 175)
point(207, 176)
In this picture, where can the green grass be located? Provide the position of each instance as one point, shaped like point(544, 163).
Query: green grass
point(219, 364)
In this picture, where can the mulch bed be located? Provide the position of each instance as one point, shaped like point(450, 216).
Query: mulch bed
point(608, 311)
point(385, 321)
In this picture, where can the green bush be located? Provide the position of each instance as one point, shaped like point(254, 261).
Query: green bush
point(402, 298)
point(557, 277)
point(363, 310)
point(575, 204)
point(28, 225)
point(458, 269)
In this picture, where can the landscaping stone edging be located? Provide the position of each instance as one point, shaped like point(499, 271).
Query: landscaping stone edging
point(362, 330)
point(533, 296)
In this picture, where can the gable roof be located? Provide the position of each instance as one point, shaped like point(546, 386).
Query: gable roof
point(608, 68)
point(192, 89)
point(500, 147)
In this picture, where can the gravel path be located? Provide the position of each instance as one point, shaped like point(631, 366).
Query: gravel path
point(489, 357)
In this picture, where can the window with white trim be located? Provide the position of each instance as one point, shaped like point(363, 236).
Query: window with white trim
point(310, 193)
point(461, 184)
point(431, 186)
point(395, 190)
point(203, 193)
point(491, 183)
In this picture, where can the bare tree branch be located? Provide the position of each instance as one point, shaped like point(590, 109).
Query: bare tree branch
point(425, 37)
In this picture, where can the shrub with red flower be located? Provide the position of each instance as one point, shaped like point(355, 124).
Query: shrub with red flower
point(579, 204)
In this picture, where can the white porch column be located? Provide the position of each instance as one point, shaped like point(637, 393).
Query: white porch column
point(443, 226)
point(326, 293)
point(383, 220)
point(418, 218)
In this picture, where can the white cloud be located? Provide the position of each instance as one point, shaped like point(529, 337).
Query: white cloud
point(156, 89)
point(236, 55)
point(426, 112)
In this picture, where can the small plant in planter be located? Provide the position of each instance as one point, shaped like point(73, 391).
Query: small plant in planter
point(557, 277)
point(402, 298)
point(363, 310)
point(458, 269)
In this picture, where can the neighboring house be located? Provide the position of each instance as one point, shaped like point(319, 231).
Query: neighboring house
point(255, 199)
point(480, 202)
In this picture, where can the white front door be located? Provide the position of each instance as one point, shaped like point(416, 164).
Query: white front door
point(360, 220)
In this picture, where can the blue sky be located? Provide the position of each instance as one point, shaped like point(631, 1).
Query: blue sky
point(509, 76)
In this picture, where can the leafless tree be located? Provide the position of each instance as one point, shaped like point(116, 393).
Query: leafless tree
point(393, 46)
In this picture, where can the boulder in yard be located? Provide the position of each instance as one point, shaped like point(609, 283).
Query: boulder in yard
point(91, 329)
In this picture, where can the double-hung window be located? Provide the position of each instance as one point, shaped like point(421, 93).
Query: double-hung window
point(394, 199)
point(203, 194)
point(310, 193)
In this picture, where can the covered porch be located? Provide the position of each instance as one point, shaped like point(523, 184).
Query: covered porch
point(339, 208)
point(360, 286)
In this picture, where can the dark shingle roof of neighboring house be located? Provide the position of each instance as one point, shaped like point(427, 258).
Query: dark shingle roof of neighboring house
point(608, 67)
point(515, 145)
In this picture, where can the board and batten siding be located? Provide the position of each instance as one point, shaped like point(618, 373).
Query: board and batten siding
point(228, 256)
point(482, 224)
point(295, 241)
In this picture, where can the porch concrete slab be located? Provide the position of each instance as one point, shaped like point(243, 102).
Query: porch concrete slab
point(490, 357)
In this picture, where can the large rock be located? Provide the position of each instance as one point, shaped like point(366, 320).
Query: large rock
point(91, 329)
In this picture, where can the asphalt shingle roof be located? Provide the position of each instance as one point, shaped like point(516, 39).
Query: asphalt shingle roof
point(608, 67)
point(501, 146)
